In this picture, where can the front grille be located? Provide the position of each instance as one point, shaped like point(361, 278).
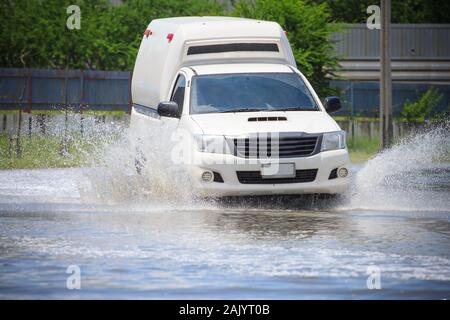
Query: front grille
point(276, 146)
point(254, 177)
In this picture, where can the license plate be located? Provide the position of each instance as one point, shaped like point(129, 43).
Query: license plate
point(278, 170)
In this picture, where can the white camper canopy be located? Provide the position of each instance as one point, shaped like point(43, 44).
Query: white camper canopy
point(173, 43)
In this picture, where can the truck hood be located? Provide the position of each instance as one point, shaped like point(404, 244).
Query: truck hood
point(239, 124)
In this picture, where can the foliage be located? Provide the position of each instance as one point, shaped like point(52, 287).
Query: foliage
point(421, 109)
point(34, 34)
point(309, 30)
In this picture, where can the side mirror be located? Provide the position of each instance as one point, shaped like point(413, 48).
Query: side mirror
point(332, 104)
point(168, 109)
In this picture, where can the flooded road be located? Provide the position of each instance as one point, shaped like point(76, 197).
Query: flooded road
point(123, 235)
point(278, 248)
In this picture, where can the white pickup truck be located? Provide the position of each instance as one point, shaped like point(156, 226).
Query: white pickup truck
point(254, 123)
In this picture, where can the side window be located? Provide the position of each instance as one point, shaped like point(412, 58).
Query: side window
point(178, 92)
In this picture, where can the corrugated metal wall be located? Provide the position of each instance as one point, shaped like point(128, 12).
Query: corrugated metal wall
point(409, 41)
point(32, 89)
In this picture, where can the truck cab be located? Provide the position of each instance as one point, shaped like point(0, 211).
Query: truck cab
point(248, 120)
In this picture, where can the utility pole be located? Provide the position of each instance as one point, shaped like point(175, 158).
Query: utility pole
point(385, 75)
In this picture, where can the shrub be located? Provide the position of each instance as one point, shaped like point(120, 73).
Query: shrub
point(421, 109)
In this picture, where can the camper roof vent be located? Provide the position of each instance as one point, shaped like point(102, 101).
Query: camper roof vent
point(233, 47)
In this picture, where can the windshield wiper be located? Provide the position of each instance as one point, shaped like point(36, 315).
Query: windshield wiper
point(242, 110)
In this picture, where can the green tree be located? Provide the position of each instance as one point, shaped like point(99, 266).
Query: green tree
point(34, 34)
point(309, 30)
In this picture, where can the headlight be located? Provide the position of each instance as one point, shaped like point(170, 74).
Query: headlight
point(212, 144)
point(333, 141)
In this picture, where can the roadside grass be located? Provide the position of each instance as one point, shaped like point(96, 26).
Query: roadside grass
point(362, 149)
point(43, 152)
point(355, 118)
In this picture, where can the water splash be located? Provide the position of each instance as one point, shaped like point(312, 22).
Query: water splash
point(414, 174)
point(115, 178)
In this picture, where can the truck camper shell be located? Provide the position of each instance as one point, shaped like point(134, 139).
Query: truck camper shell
point(172, 43)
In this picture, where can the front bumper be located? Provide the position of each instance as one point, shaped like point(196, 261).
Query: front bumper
point(227, 165)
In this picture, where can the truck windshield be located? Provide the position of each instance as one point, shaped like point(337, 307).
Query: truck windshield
point(246, 92)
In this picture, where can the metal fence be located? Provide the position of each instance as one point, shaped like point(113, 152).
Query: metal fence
point(362, 98)
point(33, 89)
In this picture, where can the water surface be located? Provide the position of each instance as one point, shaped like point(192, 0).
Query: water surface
point(277, 248)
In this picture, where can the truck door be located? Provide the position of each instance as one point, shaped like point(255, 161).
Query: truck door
point(178, 92)
point(176, 95)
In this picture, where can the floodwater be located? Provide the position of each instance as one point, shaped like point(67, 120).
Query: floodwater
point(388, 238)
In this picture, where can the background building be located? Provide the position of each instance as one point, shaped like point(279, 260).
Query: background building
point(420, 60)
